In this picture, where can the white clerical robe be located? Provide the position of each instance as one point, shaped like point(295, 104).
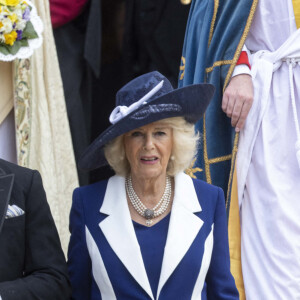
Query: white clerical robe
point(267, 166)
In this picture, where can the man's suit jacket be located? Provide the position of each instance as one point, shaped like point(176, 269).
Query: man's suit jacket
point(105, 261)
point(154, 35)
point(32, 264)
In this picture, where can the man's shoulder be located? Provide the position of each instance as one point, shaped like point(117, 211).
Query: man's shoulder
point(7, 167)
point(23, 177)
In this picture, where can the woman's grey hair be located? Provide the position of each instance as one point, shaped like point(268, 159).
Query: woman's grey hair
point(185, 142)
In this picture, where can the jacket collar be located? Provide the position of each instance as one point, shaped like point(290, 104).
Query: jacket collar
point(119, 231)
point(6, 184)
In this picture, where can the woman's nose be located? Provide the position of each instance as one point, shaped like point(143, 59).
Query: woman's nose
point(148, 142)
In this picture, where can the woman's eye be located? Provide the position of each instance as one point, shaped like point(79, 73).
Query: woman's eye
point(160, 133)
point(136, 133)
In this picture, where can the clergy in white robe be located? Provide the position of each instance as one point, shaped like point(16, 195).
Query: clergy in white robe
point(267, 165)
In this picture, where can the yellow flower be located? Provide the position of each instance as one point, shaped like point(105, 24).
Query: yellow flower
point(10, 38)
point(1, 24)
point(13, 18)
point(10, 2)
point(5, 10)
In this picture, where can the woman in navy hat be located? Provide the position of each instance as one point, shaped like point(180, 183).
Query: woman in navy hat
point(150, 231)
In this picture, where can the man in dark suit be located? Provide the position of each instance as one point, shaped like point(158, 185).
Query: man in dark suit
point(154, 34)
point(32, 264)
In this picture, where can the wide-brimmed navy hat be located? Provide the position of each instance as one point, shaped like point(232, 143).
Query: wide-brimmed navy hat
point(146, 99)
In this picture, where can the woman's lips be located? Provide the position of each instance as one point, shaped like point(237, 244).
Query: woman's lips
point(149, 160)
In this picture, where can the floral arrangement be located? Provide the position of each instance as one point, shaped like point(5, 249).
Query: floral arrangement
point(17, 28)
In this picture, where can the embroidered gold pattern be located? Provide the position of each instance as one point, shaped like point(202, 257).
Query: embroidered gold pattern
point(213, 21)
point(191, 171)
point(22, 98)
point(182, 67)
point(234, 152)
point(218, 64)
point(219, 159)
point(206, 162)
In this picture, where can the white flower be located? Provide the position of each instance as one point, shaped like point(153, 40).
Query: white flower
point(18, 12)
point(7, 25)
point(2, 38)
point(20, 24)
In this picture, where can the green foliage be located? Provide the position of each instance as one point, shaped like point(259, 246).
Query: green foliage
point(28, 33)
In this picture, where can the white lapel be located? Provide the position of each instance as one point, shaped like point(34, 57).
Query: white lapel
point(119, 231)
point(184, 226)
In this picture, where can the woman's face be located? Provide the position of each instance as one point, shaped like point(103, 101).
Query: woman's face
point(148, 150)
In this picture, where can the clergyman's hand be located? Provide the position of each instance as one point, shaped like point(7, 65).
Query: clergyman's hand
point(237, 100)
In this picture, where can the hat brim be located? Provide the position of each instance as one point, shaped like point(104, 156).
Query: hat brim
point(189, 102)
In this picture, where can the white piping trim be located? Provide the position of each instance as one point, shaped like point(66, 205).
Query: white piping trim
point(99, 271)
point(208, 247)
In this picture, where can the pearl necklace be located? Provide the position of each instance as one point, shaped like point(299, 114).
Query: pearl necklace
point(139, 206)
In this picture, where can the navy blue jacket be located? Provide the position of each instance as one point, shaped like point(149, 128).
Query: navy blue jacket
point(105, 260)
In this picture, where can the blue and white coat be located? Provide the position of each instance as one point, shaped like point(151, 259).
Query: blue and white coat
point(105, 261)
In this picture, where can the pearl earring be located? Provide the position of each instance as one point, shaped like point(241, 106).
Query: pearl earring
point(172, 157)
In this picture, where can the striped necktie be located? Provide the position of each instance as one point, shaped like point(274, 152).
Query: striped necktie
point(296, 5)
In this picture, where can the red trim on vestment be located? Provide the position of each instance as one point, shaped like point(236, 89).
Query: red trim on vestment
point(243, 59)
point(64, 11)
